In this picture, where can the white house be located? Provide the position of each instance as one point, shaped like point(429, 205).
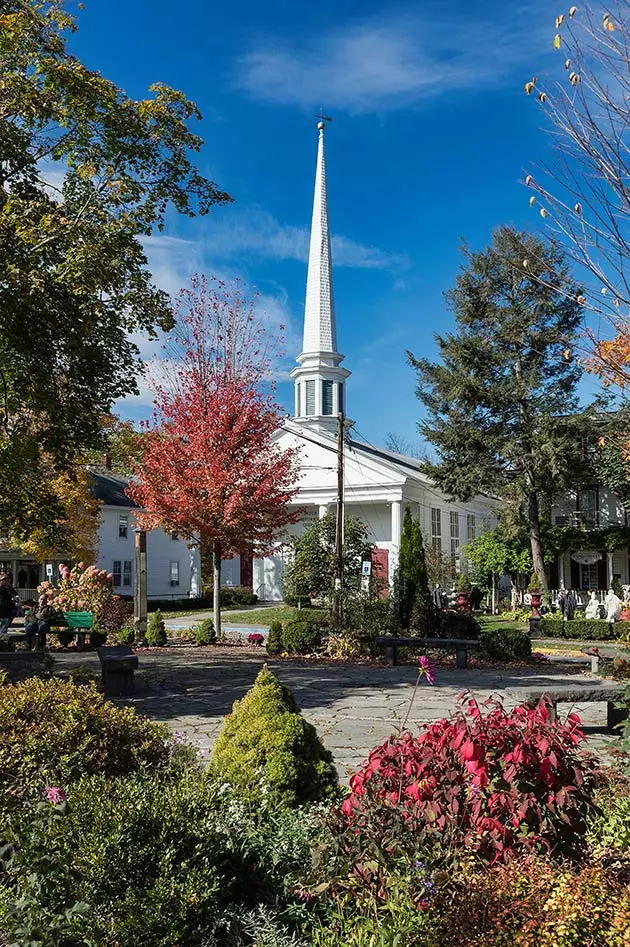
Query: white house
point(173, 570)
point(378, 484)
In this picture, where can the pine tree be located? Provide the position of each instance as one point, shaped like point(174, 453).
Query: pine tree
point(501, 404)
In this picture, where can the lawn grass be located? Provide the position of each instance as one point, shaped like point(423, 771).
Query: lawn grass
point(266, 615)
point(495, 622)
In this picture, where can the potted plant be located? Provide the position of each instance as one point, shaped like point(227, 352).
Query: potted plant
point(464, 588)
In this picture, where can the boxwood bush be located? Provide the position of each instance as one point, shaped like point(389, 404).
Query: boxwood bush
point(54, 732)
point(506, 644)
point(301, 635)
point(584, 629)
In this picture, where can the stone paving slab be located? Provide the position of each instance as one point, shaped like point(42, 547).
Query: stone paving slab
point(354, 707)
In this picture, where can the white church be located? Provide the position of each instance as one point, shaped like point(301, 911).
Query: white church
point(378, 484)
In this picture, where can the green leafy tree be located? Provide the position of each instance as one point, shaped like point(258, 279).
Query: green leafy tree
point(501, 405)
point(411, 586)
point(312, 571)
point(491, 554)
point(86, 174)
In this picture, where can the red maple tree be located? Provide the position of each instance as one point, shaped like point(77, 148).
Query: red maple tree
point(210, 468)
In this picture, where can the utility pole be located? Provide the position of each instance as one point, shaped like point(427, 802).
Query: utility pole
point(337, 609)
point(140, 588)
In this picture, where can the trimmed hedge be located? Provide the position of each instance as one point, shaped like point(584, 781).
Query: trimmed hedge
point(580, 629)
point(301, 635)
point(506, 644)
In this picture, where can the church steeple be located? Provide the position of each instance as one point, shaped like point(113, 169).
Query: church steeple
point(319, 379)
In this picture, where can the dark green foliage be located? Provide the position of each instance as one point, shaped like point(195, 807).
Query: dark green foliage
point(501, 404)
point(411, 588)
point(53, 732)
point(476, 597)
point(584, 629)
point(616, 587)
point(364, 618)
point(172, 863)
point(7, 644)
point(266, 748)
point(178, 604)
point(454, 624)
point(464, 584)
point(312, 572)
point(274, 638)
point(205, 632)
point(506, 644)
point(156, 630)
point(301, 635)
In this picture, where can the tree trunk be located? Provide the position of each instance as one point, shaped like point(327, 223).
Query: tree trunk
point(216, 600)
point(533, 515)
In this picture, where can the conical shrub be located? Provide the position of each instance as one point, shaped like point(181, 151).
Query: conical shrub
point(274, 638)
point(267, 747)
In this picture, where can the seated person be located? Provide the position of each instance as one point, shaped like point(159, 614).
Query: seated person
point(37, 625)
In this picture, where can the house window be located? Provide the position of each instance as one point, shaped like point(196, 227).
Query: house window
point(587, 507)
point(121, 573)
point(436, 528)
point(310, 398)
point(471, 527)
point(327, 397)
point(454, 518)
point(174, 572)
point(123, 527)
point(298, 400)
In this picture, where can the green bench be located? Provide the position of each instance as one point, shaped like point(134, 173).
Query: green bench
point(81, 622)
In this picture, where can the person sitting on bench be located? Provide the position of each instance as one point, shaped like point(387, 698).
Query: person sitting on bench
point(38, 625)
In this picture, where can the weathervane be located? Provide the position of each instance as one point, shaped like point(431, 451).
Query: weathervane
point(323, 118)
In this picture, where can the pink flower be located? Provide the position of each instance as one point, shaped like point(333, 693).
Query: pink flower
point(427, 669)
point(55, 795)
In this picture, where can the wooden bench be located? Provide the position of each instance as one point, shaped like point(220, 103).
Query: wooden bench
point(460, 646)
point(81, 622)
point(118, 662)
point(577, 693)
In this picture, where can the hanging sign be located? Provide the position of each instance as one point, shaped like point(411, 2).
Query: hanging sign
point(366, 568)
point(587, 557)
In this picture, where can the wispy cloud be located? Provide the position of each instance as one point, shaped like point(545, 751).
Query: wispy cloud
point(255, 231)
point(393, 60)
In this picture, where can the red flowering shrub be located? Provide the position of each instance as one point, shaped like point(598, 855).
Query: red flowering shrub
point(494, 782)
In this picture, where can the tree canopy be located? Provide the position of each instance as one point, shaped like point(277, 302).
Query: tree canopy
point(86, 174)
point(501, 403)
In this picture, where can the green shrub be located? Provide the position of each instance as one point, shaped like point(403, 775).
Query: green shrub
point(583, 629)
point(179, 604)
point(156, 630)
point(166, 864)
point(54, 732)
point(506, 644)
point(205, 633)
point(267, 748)
point(65, 638)
point(301, 635)
point(97, 637)
point(126, 635)
point(454, 624)
point(7, 645)
point(364, 619)
point(274, 639)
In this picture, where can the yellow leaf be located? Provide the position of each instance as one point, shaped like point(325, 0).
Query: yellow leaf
point(525, 264)
point(610, 25)
point(528, 87)
point(581, 300)
point(605, 291)
point(557, 41)
point(578, 208)
point(574, 78)
point(567, 64)
point(543, 212)
point(532, 201)
point(528, 180)
point(542, 96)
point(559, 20)
point(567, 354)
point(572, 12)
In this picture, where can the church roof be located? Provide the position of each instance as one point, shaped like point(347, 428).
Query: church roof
point(320, 331)
point(411, 465)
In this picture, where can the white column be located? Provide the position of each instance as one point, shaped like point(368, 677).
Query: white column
point(396, 533)
point(610, 568)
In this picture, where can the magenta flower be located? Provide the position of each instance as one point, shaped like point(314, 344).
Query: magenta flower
point(55, 795)
point(304, 895)
point(427, 669)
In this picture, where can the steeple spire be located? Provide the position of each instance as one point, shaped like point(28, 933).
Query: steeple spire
point(319, 378)
point(320, 332)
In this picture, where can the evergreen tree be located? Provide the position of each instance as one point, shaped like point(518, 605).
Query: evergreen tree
point(501, 404)
point(411, 587)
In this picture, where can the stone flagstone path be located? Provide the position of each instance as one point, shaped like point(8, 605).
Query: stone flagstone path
point(353, 706)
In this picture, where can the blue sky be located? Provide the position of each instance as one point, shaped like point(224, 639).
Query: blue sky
point(431, 134)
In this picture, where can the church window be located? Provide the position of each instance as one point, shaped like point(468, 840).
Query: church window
point(436, 528)
point(471, 527)
point(310, 398)
point(455, 540)
point(298, 400)
point(341, 406)
point(327, 397)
